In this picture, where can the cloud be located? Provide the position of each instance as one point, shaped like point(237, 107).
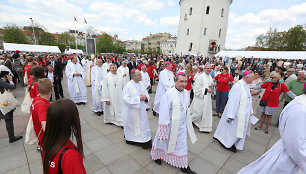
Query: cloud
point(243, 29)
point(170, 22)
point(170, 2)
point(146, 5)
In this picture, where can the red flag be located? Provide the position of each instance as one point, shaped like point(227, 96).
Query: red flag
point(85, 21)
point(75, 19)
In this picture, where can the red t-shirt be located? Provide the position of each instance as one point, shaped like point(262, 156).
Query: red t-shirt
point(33, 91)
point(189, 83)
point(72, 161)
point(39, 109)
point(27, 70)
point(272, 98)
point(223, 81)
point(150, 71)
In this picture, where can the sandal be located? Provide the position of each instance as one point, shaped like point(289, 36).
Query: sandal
point(257, 128)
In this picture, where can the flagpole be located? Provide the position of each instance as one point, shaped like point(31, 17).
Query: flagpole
point(75, 34)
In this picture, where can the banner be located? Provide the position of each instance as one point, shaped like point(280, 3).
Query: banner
point(90, 46)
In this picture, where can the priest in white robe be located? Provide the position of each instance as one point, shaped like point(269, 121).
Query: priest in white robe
point(170, 143)
point(145, 81)
point(97, 76)
point(288, 154)
point(234, 123)
point(76, 86)
point(201, 107)
point(165, 83)
point(123, 71)
point(112, 96)
point(135, 119)
point(106, 65)
point(87, 69)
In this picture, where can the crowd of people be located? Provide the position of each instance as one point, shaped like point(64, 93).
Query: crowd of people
point(121, 87)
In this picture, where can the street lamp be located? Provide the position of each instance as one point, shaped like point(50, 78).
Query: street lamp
point(33, 33)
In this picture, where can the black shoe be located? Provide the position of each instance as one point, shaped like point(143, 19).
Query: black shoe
point(78, 103)
point(154, 113)
point(99, 113)
point(147, 109)
point(82, 103)
point(62, 96)
point(158, 161)
point(233, 149)
point(266, 132)
point(257, 128)
point(12, 140)
point(188, 170)
point(216, 114)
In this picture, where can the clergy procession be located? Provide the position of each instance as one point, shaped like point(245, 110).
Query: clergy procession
point(165, 105)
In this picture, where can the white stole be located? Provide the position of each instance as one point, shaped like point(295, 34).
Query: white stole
point(135, 111)
point(96, 82)
point(176, 114)
point(205, 103)
point(75, 82)
point(241, 111)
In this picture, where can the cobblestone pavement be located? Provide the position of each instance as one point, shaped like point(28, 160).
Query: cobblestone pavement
point(106, 151)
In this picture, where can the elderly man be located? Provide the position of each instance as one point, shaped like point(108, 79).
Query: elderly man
point(106, 65)
point(296, 86)
point(287, 155)
point(291, 76)
point(201, 107)
point(76, 86)
point(234, 122)
point(97, 76)
point(112, 96)
point(170, 143)
point(87, 68)
point(165, 82)
point(135, 119)
point(123, 71)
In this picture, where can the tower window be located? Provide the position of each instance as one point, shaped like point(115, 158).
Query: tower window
point(222, 12)
point(205, 29)
point(190, 47)
point(219, 33)
point(187, 32)
point(190, 11)
point(207, 10)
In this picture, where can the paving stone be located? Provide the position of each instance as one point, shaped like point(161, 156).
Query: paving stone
point(12, 162)
point(233, 165)
point(116, 137)
point(36, 167)
point(98, 143)
point(224, 172)
point(142, 156)
point(214, 156)
point(102, 171)
point(245, 156)
point(127, 148)
point(124, 165)
point(256, 148)
point(33, 155)
point(143, 171)
point(90, 135)
point(195, 148)
point(109, 154)
point(23, 169)
point(162, 169)
point(202, 166)
point(92, 163)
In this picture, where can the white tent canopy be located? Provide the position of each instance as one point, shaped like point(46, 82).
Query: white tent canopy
point(264, 54)
point(71, 51)
point(30, 48)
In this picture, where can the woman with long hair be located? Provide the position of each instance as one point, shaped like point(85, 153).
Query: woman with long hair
point(38, 73)
point(59, 152)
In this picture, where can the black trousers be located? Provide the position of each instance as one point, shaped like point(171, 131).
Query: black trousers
point(9, 124)
point(151, 84)
point(58, 89)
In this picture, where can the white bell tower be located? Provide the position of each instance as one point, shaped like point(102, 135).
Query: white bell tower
point(202, 27)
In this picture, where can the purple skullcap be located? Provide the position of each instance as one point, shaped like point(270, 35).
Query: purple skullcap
point(167, 63)
point(142, 65)
point(180, 73)
point(246, 73)
point(133, 70)
point(305, 85)
point(71, 57)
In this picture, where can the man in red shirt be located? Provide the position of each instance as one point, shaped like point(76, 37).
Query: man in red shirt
point(40, 106)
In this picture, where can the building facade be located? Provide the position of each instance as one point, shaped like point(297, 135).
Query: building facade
point(167, 47)
point(152, 42)
point(133, 45)
point(202, 27)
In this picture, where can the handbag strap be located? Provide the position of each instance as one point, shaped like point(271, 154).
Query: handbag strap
point(60, 171)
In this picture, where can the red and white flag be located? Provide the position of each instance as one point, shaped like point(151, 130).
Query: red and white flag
point(75, 19)
point(85, 21)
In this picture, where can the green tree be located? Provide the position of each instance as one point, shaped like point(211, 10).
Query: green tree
point(38, 30)
point(65, 38)
point(47, 39)
point(105, 44)
point(260, 41)
point(13, 34)
point(295, 38)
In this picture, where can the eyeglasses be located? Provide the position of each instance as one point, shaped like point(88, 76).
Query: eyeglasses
point(272, 77)
point(221, 69)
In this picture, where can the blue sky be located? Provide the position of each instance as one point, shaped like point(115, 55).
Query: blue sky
point(135, 19)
